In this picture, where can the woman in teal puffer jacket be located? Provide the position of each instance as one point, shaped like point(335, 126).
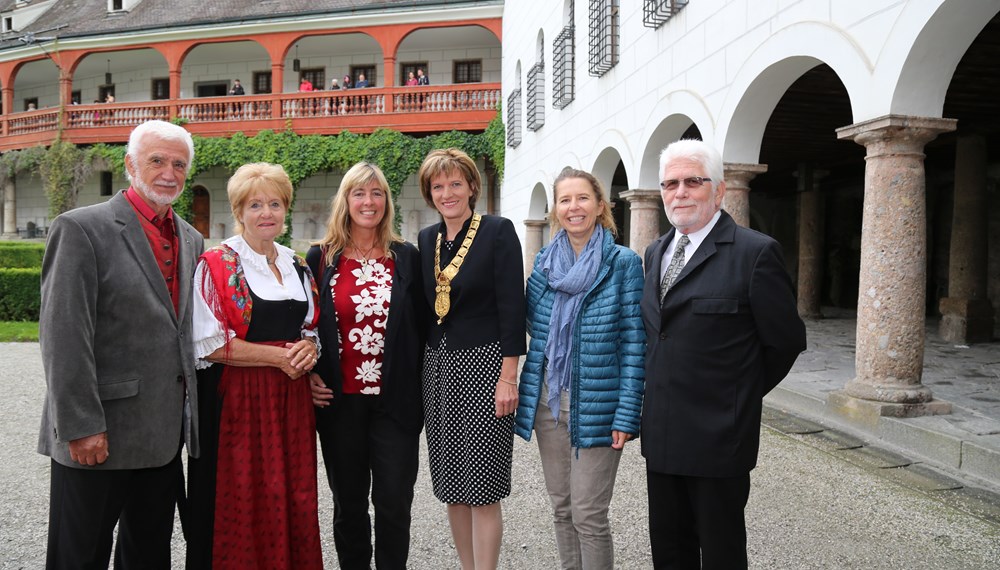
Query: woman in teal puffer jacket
point(582, 383)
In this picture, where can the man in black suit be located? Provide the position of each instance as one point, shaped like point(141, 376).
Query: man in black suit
point(722, 331)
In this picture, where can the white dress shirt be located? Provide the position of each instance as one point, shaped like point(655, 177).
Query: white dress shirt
point(696, 239)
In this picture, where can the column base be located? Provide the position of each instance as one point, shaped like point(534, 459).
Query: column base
point(869, 411)
point(811, 314)
point(966, 320)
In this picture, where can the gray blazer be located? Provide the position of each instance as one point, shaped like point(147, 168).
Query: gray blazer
point(116, 356)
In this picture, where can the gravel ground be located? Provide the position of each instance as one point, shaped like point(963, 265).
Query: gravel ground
point(808, 509)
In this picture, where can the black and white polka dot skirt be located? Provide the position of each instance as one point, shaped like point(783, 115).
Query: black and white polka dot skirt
point(469, 447)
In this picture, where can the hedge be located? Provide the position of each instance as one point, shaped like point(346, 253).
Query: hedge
point(20, 294)
point(21, 254)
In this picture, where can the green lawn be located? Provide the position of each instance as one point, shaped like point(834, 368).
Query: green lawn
point(18, 331)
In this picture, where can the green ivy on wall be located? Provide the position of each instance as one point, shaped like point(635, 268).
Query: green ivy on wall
point(302, 156)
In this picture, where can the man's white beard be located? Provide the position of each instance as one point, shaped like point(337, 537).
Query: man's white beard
point(156, 197)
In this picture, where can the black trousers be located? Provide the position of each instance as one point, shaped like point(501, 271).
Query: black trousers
point(86, 504)
point(364, 449)
point(697, 522)
point(198, 518)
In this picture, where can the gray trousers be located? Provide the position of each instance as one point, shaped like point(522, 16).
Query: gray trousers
point(580, 484)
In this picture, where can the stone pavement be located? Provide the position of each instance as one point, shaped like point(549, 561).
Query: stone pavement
point(965, 442)
point(820, 498)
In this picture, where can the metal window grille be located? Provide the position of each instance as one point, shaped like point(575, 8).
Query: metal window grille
point(656, 12)
point(536, 96)
point(603, 36)
point(562, 68)
point(514, 119)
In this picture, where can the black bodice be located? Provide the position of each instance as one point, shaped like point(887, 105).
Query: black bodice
point(276, 320)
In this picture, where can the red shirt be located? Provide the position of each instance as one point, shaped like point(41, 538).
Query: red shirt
point(361, 298)
point(162, 236)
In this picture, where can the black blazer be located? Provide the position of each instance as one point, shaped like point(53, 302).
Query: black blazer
point(404, 337)
point(487, 295)
point(728, 331)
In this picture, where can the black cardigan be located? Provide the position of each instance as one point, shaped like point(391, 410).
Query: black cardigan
point(404, 337)
point(487, 295)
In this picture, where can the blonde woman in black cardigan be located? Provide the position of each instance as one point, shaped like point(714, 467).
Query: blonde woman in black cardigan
point(366, 385)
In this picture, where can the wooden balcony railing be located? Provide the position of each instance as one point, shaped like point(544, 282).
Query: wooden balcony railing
point(408, 109)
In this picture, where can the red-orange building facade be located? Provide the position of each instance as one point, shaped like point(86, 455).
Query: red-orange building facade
point(179, 59)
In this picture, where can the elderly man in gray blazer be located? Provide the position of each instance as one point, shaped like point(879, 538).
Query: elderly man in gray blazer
point(115, 336)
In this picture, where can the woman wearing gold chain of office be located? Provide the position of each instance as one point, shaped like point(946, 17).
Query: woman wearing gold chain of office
point(474, 284)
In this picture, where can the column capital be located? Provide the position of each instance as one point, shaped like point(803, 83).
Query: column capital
point(751, 167)
point(539, 224)
point(639, 198)
point(895, 134)
point(810, 181)
point(737, 199)
point(739, 174)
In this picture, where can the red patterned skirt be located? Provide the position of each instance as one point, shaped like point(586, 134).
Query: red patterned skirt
point(266, 499)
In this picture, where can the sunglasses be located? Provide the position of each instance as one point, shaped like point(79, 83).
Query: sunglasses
point(689, 182)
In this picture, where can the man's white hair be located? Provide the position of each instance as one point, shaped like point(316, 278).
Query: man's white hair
point(696, 151)
point(162, 130)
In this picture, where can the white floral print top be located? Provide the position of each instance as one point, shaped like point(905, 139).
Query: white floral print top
point(361, 291)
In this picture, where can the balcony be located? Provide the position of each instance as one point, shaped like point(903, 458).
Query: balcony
point(406, 109)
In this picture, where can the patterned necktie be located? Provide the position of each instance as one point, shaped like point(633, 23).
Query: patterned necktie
point(675, 267)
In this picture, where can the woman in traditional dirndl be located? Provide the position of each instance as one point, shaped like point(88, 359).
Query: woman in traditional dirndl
point(252, 493)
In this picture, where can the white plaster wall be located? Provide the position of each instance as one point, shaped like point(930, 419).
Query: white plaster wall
point(31, 203)
point(722, 64)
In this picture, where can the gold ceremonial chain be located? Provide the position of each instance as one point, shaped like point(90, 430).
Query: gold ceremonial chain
point(443, 277)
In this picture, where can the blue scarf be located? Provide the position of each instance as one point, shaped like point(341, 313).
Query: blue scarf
point(571, 277)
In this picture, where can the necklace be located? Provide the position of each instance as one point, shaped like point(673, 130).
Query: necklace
point(271, 259)
point(443, 277)
point(365, 262)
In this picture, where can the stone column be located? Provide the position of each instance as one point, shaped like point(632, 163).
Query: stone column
point(9, 208)
point(737, 200)
point(810, 273)
point(966, 313)
point(644, 226)
point(892, 284)
point(533, 242)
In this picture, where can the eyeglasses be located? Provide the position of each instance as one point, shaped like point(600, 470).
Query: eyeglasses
point(689, 182)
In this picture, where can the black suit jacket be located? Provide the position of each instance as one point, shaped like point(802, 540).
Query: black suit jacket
point(728, 331)
point(404, 337)
point(487, 295)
